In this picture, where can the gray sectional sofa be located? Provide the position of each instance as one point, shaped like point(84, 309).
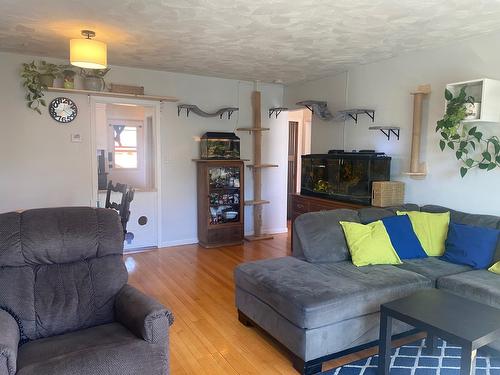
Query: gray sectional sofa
point(320, 306)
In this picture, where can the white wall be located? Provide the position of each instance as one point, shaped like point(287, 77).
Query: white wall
point(385, 86)
point(40, 167)
point(324, 135)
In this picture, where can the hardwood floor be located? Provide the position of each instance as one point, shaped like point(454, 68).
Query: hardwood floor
point(197, 285)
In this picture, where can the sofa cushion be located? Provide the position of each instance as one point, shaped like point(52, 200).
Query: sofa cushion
point(314, 295)
point(495, 268)
point(369, 214)
point(479, 285)
point(369, 244)
point(431, 230)
point(433, 268)
point(321, 236)
point(105, 349)
point(403, 237)
point(470, 245)
point(488, 221)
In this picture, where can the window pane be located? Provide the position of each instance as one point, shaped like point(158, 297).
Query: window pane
point(126, 147)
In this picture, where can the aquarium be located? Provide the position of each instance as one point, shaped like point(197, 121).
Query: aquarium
point(344, 176)
point(219, 145)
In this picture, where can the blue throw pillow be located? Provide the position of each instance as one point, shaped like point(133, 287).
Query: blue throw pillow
point(472, 246)
point(403, 237)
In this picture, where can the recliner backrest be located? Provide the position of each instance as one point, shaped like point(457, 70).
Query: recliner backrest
point(60, 268)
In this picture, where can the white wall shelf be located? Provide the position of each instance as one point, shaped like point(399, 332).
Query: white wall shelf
point(249, 130)
point(114, 94)
point(487, 92)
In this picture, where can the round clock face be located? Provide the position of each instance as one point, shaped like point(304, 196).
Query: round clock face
point(63, 110)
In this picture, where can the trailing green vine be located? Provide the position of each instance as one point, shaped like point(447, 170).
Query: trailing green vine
point(470, 145)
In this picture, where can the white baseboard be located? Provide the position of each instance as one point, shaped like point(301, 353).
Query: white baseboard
point(270, 231)
point(187, 241)
point(190, 241)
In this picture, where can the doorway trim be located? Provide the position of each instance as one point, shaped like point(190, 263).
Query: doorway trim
point(93, 146)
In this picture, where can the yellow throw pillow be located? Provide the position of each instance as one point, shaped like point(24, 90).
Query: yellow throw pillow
point(369, 244)
point(495, 268)
point(431, 230)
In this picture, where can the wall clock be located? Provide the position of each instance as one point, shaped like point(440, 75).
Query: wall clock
point(63, 110)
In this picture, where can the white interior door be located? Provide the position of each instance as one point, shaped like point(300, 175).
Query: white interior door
point(127, 137)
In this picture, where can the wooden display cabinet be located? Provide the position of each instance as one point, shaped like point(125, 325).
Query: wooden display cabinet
point(220, 202)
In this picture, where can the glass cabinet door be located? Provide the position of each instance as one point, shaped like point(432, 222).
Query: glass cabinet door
point(224, 195)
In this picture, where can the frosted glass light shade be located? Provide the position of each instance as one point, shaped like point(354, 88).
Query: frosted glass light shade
point(88, 53)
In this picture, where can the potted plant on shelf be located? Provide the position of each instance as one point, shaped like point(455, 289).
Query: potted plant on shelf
point(471, 147)
point(94, 78)
point(34, 86)
point(48, 72)
point(69, 78)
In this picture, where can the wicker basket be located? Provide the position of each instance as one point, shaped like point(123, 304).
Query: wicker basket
point(126, 89)
point(388, 193)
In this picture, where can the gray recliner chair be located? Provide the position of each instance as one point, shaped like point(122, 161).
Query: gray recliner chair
point(65, 305)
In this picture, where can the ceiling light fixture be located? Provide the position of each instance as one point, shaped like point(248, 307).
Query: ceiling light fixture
point(88, 53)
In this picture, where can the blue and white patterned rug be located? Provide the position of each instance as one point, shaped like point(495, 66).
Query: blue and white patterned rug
point(410, 360)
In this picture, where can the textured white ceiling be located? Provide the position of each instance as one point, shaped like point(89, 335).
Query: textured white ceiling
point(267, 40)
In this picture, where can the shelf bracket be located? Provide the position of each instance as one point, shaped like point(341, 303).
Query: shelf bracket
point(309, 107)
point(371, 114)
point(388, 132)
point(276, 111)
point(229, 113)
point(354, 117)
point(179, 110)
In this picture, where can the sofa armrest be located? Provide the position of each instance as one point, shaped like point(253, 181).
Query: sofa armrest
point(9, 341)
point(143, 315)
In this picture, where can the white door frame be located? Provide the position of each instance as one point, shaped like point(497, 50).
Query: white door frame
point(93, 147)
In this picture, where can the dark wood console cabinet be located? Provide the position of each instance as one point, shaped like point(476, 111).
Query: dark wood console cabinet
point(302, 204)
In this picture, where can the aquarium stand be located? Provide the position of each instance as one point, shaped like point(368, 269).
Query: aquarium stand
point(387, 131)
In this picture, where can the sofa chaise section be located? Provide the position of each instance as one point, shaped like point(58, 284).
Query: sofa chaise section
point(317, 302)
point(319, 305)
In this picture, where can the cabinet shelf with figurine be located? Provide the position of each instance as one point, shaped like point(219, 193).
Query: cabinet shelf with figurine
point(220, 202)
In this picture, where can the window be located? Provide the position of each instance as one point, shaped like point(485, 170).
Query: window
point(125, 146)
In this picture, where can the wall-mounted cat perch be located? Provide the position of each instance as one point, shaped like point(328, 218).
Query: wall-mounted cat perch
point(353, 113)
point(387, 130)
point(276, 111)
point(317, 108)
point(199, 112)
point(418, 170)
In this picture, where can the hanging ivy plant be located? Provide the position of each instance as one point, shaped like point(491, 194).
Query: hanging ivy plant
point(470, 146)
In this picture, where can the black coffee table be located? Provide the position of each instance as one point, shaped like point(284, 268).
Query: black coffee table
point(455, 319)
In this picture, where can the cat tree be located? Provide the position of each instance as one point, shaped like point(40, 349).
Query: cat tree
point(256, 168)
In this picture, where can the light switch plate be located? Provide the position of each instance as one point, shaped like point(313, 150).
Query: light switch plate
point(76, 138)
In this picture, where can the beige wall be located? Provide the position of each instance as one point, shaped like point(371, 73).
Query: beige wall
point(40, 167)
point(385, 86)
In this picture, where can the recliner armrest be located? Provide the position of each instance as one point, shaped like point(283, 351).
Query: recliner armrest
point(9, 341)
point(143, 315)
